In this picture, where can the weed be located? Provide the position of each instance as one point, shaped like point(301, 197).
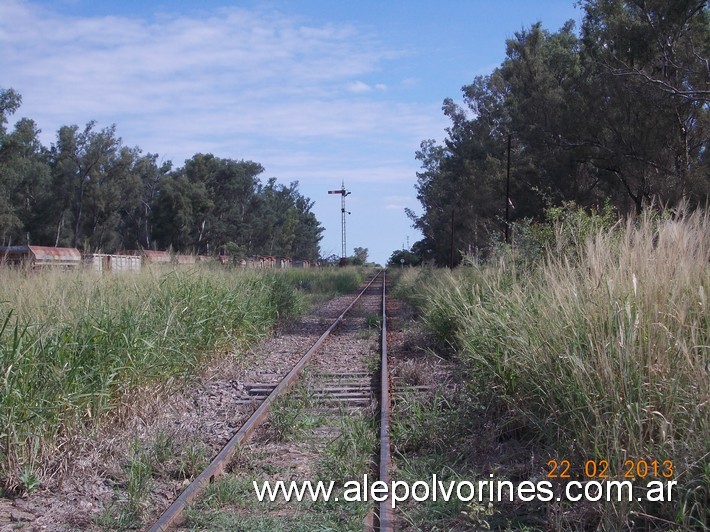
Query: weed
point(139, 472)
point(373, 362)
point(419, 423)
point(163, 448)
point(29, 480)
point(350, 455)
point(229, 490)
point(289, 418)
point(414, 373)
point(373, 326)
point(73, 346)
point(374, 321)
point(439, 514)
point(116, 517)
point(478, 513)
point(193, 459)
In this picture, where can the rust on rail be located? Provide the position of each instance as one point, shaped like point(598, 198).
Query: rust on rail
point(173, 515)
point(385, 508)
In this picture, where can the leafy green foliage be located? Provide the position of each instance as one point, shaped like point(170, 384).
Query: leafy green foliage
point(616, 113)
point(402, 257)
point(359, 256)
point(92, 192)
point(349, 456)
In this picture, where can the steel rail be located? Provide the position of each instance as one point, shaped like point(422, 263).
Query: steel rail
point(385, 507)
point(173, 515)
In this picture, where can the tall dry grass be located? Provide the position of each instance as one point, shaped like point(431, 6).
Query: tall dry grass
point(605, 348)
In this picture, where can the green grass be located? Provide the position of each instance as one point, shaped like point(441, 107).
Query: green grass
point(603, 346)
point(289, 418)
point(351, 454)
point(230, 503)
point(74, 347)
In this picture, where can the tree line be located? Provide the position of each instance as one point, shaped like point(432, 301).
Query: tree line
point(90, 191)
point(617, 113)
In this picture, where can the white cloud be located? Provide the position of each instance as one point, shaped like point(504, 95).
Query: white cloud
point(237, 83)
point(358, 86)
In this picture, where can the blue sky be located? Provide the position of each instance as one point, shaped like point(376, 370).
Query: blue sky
point(318, 92)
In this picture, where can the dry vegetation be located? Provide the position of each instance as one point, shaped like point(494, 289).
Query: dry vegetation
point(601, 346)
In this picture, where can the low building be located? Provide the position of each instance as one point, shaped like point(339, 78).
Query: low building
point(184, 260)
point(104, 263)
point(156, 257)
point(36, 257)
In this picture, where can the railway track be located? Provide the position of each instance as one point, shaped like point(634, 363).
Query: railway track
point(343, 376)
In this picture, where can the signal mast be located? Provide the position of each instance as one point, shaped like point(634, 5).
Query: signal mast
point(343, 212)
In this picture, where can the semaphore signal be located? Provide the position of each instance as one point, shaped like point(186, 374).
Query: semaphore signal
point(343, 212)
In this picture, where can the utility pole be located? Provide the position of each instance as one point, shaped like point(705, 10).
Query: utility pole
point(451, 263)
point(507, 198)
point(343, 212)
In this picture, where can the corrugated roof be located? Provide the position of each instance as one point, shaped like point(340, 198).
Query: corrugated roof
point(47, 253)
point(43, 253)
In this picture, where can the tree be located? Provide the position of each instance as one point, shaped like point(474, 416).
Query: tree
point(220, 205)
point(649, 61)
point(359, 256)
point(10, 101)
point(403, 257)
point(86, 166)
point(309, 230)
point(9, 221)
point(137, 230)
point(92, 192)
point(24, 184)
point(24, 174)
point(618, 113)
point(179, 214)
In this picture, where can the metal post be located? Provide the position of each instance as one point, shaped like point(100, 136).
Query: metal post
point(343, 239)
point(452, 238)
point(343, 212)
point(507, 197)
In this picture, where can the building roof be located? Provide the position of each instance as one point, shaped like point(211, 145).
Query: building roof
point(43, 253)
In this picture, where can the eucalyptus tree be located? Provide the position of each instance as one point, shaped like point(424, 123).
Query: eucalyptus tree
point(650, 62)
point(223, 200)
point(285, 224)
point(618, 113)
point(309, 231)
point(215, 205)
point(24, 184)
point(91, 191)
point(24, 174)
point(179, 213)
point(80, 160)
point(136, 225)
